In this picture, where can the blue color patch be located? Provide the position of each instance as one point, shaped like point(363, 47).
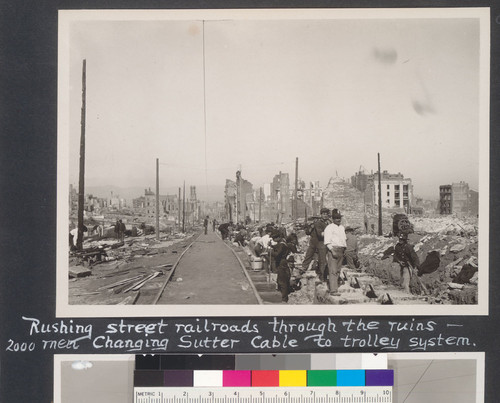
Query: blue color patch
point(351, 377)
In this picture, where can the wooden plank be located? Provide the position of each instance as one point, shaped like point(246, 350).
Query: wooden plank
point(140, 284)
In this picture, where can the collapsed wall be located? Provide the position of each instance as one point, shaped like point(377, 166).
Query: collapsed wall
point(342, 195)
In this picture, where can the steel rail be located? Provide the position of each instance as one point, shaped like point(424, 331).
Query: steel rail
point(256, 293)
point(169, 275)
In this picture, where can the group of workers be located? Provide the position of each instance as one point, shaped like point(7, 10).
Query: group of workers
point(330, 246)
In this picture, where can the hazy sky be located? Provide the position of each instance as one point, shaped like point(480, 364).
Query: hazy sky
point(208, 97)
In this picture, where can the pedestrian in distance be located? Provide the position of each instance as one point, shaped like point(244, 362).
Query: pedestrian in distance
point(316, 243)
point(214, 224)
point(117, 229)
point(351, 252)
point(205, 224)
point(407, 258)
point(123, 228)
point(335, 242)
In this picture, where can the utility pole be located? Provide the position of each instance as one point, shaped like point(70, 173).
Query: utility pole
point(260, 204)
point(157, 199)
point(81, 183)
point(179, 209)
point(184, 208)
point(379, 198)
point(312, 197)
point(280, 210)
point(237, 195)
point(295, 201)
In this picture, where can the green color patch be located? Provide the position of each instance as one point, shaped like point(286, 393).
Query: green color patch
point(322, 378)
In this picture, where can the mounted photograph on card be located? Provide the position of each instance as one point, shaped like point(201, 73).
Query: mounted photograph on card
point(260, 162)
point(395, 377)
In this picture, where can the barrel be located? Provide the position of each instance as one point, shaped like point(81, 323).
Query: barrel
point(256, 264)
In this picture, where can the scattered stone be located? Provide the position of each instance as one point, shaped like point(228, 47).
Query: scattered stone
point(457, 247)
point(79, 271)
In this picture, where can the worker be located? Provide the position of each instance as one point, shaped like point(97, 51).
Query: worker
point(205, 224)
point(224, 229)
point(335, 242)
point(316, 243)
point(406, 257)
point(351, 252)
point(282, 251)
point(73, 237)
point(117, 229)
point(263, 243)
point(122, 231)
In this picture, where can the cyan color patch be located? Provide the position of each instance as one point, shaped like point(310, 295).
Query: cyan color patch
point(351, 377)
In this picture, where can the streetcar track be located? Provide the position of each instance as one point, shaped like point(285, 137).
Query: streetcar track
point(243, 268)
point(171, 272)
point(250, 281)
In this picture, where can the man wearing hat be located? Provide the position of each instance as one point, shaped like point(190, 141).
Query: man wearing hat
point(335, 242)
point(405, 255)
point(316, 243)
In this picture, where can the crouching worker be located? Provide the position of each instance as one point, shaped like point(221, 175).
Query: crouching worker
point(351, 252)
point(407, 258)
point(282, 253)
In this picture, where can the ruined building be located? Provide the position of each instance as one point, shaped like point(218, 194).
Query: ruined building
point(236, 196)
point(396, 190)
point(458, 199)
point(280, 195)
point(146, 205)
point(340, 194)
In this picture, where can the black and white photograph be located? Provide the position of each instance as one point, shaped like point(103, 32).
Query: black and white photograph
point(273, 162)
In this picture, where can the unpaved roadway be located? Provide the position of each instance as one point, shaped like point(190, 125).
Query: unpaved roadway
point(208, 273)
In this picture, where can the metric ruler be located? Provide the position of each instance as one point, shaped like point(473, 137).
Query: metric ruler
point(334, 394)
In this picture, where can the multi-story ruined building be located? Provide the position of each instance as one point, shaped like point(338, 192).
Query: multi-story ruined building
point(396, 190)
point(280, 195)
point(237, 195)
point(146, 205)
point(458, 199)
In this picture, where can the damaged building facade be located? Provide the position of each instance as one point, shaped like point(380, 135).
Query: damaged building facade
point(396, 190)
point(458, 199)
point(237, 194)
point(145, 206)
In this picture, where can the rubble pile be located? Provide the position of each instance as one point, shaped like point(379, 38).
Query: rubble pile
point(447, 248)
point(445, 225)
point(342, 195)
point(442, 257)
point(129, 272)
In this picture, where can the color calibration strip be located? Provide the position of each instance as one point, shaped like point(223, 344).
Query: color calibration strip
point(263, 378)
point(373, 394)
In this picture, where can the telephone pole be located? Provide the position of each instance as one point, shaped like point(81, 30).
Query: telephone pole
point(81, 182)
point(379, 198)
point(184, 208)
point(295, 201)
point(260, 204)
point(157, 199)
point(179, 210)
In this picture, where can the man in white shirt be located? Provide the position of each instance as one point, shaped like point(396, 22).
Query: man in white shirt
point(335, 242)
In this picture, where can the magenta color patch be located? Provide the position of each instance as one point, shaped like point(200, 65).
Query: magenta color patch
point(237, 378)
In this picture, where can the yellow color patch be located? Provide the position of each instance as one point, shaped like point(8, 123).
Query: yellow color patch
point(293, 378)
